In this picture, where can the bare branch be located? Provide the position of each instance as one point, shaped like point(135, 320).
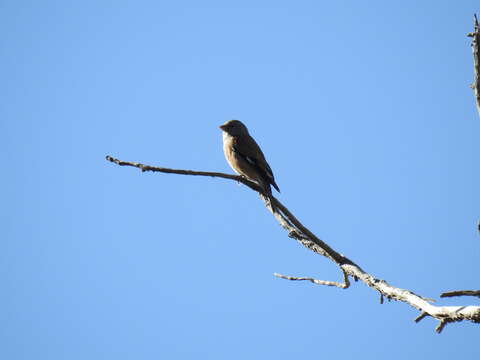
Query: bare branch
point(440, 326)
point(343, 285)
point(304, 236)
point(175, 171)
point(475, 35)
point(461, 293)
point(421, 316)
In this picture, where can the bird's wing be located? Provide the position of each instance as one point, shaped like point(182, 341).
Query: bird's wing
point(248, 148)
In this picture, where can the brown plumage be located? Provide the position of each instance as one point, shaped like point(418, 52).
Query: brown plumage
point(245, 156)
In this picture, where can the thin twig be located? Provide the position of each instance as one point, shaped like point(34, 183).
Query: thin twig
point(421, 316)
point(441, 325)
point(340, 285)
point(144, 168)
point(461, 293)
point(475, 35)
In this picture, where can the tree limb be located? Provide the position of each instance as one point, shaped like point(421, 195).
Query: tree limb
point(297, 231)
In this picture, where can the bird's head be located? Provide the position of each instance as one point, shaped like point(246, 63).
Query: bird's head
point(234, 128)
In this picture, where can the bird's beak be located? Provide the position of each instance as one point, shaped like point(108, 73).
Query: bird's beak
point(222, 127)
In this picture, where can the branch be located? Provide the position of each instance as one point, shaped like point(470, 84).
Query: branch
point(175, 171)
point(344, 285)
point(461, 293)
point(297, 231)
point(475, 35)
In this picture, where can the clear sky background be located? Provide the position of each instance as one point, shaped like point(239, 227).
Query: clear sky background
point(364, 112)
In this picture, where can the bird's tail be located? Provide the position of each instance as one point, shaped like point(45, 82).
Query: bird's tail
point(274, 184)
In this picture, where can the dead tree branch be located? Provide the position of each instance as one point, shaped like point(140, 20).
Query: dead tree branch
point(475, 35)
point(297, 231)
point(344, 285)
point(461, 293)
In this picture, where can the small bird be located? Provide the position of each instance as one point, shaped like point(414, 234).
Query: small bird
point(245, 156)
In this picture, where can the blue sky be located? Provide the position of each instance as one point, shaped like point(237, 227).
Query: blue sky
point(364, 112)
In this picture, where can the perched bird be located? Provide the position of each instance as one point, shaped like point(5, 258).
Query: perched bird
point(245, 157)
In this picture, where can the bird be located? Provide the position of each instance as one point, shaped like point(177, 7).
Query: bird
point(245, 156)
